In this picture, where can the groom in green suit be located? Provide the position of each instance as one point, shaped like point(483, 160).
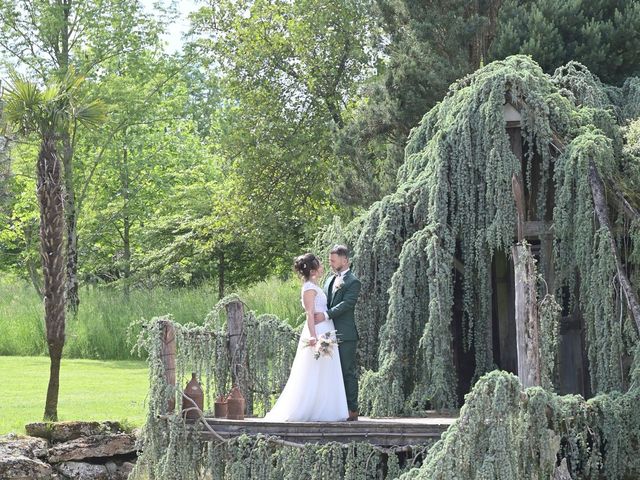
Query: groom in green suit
point(342, 290)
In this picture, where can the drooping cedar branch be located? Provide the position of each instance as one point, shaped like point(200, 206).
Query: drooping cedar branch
point(602, 211)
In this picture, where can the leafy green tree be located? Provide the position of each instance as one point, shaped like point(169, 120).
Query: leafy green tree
point(149, 138)
point(288, 72)
point(44, 38)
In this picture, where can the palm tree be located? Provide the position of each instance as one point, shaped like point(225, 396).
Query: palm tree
point(45, 113)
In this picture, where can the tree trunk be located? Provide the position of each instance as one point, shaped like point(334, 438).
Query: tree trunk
point(51, 200)
point(62, 49)
point(126, 221)
point(221, 275)
point(602, 212)
point(51, 403)
point(73, 299)
point(479, 45)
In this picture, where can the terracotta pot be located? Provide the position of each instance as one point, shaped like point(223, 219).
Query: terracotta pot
point(193, 390)
point(235, 404)
point(220, 407)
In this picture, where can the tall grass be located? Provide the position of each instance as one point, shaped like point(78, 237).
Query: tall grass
point(281, 298)
point(99, 330)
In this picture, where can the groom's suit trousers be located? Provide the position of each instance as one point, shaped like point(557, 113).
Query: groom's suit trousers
point(347, 350)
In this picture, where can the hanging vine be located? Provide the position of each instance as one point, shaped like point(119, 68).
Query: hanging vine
point(504, 433)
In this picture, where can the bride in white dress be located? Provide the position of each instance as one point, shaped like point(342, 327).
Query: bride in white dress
point(314, 391)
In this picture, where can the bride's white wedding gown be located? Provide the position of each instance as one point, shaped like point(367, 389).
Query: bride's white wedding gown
point(314, 391)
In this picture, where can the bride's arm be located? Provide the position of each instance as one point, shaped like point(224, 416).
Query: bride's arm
point(309, 300)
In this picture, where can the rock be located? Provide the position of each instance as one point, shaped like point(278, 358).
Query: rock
point(120, 472)
point(20, 458)
point(65, 431)
point(111, 467)
point(92, 447)
point(125, 469)
point(20, 467)
point(83, 471)
point(30, 447)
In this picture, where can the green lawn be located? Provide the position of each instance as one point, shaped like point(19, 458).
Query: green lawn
point(89, 390)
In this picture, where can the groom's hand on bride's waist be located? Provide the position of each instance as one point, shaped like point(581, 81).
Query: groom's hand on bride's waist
point(319, 317)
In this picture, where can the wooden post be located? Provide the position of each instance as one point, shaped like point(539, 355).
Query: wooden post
point(169, 359)
point(238, 351)
point(526, 309)
point(561, 472)
point(526, 305)
point(518, 195)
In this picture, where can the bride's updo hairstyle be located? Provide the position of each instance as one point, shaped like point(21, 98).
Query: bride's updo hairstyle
point(305, 263)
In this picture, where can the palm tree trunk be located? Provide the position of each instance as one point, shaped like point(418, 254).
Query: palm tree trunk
point(73, 299)
point(52, 230)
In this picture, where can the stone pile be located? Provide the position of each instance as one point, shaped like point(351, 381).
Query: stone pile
point(68, 450)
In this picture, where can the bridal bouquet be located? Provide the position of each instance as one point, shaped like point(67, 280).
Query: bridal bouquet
point(324, 344)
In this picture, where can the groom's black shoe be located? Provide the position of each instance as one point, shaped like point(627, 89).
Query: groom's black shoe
point(353, 416)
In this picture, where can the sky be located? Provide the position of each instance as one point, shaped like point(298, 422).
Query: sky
point(175, 32)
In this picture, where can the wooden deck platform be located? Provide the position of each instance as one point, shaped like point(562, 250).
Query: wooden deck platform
point(377, 431)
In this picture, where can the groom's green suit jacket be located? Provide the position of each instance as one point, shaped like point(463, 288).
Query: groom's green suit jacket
point(341, 305)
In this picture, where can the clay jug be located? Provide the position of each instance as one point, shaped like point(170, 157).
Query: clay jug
point(235, 404)
point(220, 407)
point(194, 392)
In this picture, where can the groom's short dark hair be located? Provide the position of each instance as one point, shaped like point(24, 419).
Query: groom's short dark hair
point(341, 250)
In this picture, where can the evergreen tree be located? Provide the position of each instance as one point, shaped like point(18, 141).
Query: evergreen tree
point(603, 35)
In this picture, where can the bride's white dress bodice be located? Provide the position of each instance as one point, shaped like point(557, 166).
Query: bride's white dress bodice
point(320, 305)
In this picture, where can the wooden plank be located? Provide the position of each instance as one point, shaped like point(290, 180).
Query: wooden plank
point(379, 431)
